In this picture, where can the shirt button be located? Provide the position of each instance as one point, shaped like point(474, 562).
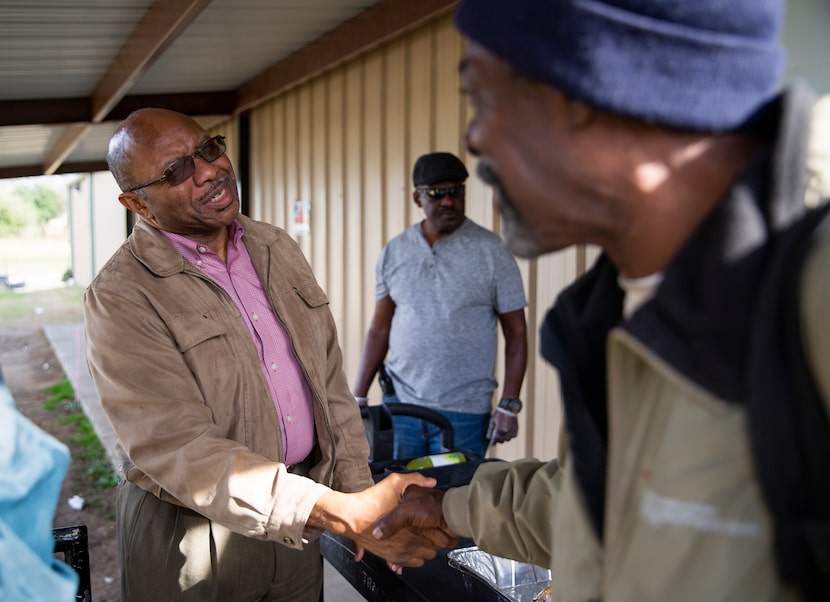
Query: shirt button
point(274, 367)
point(289, 419)
point(199, 262)
point(201, 249)
point(255, 317)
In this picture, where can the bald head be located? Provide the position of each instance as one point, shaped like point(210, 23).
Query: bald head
point(140, 130)
point(174, 175)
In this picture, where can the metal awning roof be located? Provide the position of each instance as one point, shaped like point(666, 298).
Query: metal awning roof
point(71, 69)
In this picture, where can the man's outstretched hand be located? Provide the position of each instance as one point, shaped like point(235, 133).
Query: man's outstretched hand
point(355, 515)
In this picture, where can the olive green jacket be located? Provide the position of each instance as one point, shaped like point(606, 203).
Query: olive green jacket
point(683, 515)
point(180, 380)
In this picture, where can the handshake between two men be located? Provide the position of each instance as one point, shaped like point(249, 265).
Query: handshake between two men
point(399, 519)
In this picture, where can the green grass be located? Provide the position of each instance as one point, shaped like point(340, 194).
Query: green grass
point(63, 304)
point(27, 255)
point(61, 392)
point(41, 260)
point(94, 457)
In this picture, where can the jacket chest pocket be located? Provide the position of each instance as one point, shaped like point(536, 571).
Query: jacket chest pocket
point(306, 311)
point(682, 497)
point(190, 330)
point(311, 295)
point(212, 342)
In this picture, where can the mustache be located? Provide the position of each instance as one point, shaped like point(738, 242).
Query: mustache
point(216, 185)
point(488, 174)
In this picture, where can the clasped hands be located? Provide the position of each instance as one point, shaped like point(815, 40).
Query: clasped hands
point(399, 519)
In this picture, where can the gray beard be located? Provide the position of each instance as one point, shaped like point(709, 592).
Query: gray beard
point(514, 230)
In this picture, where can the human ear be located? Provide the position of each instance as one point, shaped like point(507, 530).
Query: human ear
point(134, 203)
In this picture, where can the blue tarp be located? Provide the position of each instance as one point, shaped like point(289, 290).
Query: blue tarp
point(32, 467)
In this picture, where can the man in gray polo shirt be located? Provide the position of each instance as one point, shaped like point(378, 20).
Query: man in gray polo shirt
point(442, 286)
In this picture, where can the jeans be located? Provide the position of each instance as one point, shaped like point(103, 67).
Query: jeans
point(415, 437)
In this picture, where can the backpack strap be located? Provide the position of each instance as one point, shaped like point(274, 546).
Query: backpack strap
point(812, 530)
point(789, 427)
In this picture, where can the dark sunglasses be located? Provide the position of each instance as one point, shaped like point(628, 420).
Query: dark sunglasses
point(183, 168)
point(436, 194)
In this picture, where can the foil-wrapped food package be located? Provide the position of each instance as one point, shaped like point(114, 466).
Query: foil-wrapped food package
point(509, 579)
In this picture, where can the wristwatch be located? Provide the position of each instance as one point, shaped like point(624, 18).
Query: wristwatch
point(512, 405)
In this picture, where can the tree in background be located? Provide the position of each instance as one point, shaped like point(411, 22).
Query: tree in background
point(28, 206)
point(47, 202)
point(15, 216)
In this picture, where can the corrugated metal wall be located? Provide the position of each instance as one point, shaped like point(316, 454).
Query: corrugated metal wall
point(342, 145)
point(230, 130)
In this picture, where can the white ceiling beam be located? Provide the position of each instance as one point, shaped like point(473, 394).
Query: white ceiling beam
point(163, 22)
point(71, 137)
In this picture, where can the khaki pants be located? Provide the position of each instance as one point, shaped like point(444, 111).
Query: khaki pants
point(170, 553)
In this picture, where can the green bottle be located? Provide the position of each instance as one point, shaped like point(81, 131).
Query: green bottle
point(436, 460)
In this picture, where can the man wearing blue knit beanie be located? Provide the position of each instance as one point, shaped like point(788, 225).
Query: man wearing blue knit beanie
point(694, 355)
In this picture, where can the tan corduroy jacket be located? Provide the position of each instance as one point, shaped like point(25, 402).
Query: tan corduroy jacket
point(684, 517)
point(180, 380)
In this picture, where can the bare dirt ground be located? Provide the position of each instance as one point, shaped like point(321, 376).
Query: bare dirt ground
point(29, 367)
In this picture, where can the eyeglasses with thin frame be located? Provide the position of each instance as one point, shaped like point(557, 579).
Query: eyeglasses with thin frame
point(183, 168)
point(436, 194)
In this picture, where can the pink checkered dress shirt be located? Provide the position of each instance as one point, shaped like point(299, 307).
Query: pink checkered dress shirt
point(289, 390)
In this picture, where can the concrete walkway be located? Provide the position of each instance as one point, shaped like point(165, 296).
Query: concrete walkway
point(67, 341)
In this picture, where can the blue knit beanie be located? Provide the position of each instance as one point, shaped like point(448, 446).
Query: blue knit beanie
point(704, 65)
